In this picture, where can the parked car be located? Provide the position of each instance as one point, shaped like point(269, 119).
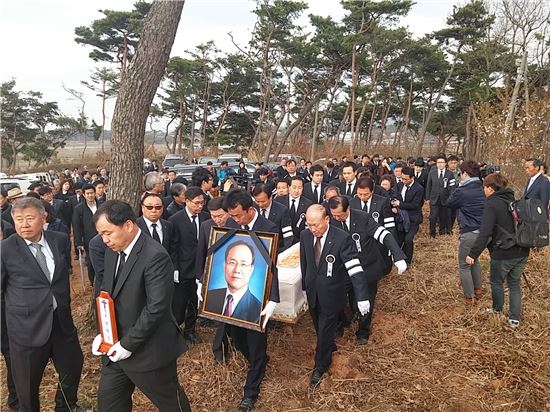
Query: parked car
point(171, 160)
point(8, 183)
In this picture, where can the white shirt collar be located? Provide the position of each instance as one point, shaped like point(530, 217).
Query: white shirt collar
point(237, 296)
point(41, 242)
point(268, 209)
point(297, 201)
point(534, 177)
point(253, 221)
point(129, 248)
point(323, 238)
point(190, 214)
point(149, 223)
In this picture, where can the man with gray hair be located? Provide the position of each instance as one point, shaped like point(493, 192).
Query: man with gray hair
point(35, 285)
point(154, 183)
point(177, 191)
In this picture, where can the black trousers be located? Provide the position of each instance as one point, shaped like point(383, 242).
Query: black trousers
point(252, 344)
point(5, 346)
point(91, 271)
point(363, 329)
point(161, 386)
point(325, 324)
point(185, 303)
point(28, 364)
point(406, 240)
point(439, 214)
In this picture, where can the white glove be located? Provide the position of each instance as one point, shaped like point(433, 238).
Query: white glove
point(401, 266)
point(268, 312)
point(364, 307)
point(118, 353)
point(176, 276)
point(199, 292)
point(95, 346)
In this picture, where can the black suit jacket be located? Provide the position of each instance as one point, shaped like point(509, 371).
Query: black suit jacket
point(83, 225)
point(96, 253)
point(6, 213)
point(187, 243)
point(422, 179)
point(299, 219)
point(439, 190)
point(330, 175)
point(169, 238)
point(279, 214)
point(412, 204)
point(202, 248)
point(540, 189)
point(344, 188)
point(264, 225)
point(143, 306)
point(308, 192)
point(374, 243)
point(28, 293)
point(328, 293)
point(248, 308)
point(379, 210)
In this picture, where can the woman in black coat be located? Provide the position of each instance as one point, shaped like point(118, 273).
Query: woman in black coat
point(54, 224)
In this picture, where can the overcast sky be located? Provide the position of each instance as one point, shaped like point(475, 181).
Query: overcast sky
point(38, 48)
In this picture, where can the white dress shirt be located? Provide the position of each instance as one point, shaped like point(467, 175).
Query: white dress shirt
point(252, 222)
point(150, 227)
point(50, 262)
point(532, 180)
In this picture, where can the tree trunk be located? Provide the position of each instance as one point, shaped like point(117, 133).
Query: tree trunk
point(137, 91)
point(103, 98)
point(314, 134)
point(514, 99)
point(422, 132)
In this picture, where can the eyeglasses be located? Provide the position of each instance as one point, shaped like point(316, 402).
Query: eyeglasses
point(151, 207)
point(233, 263)
point(197, 203)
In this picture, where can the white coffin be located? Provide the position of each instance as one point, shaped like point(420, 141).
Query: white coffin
point(293, 300)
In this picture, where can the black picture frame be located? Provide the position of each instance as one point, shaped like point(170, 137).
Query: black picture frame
point(240, 263)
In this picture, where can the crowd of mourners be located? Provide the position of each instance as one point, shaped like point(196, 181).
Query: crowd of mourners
point(354, 218)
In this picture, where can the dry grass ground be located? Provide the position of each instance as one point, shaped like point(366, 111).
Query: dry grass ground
point(429, 351)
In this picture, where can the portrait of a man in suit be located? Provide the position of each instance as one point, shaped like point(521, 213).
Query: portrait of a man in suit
point(236, 299)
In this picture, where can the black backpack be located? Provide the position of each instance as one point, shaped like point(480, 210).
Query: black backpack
point(530, 223)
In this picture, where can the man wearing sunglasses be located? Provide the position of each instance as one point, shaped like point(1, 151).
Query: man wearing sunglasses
point(152, 224)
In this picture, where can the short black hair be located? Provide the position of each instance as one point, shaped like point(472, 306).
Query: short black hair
point(4, 192)
point(350, 164)
point(452, 157)
point(330, 164)
point(290, 161)
point(263, 171)
point(407, 170)
point(441, 156)
point(77, 186)
point(99, 182)
point(200, 175)
point(44, 189)
point(34, 185)
point(216, 203)
point(366, 183)
point(193, 192)
point(149, 194)
point(297, 178)
point(240, 243)
point(116, 212)
point(49, 210)
point(88, 186)
point(316, 168)
point(236, 197)
point(180, 179)
point(339, 200)
point(419, 162)
point(283, 181)
point(224, 163)
point(536, 162)
point(261, 188)
point(470, 167)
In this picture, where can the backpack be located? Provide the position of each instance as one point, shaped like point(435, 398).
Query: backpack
point(530, 223)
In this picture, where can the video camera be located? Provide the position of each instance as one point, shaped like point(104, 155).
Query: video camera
point(487, 170)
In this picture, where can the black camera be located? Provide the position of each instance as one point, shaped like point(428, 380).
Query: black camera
point(488, 169)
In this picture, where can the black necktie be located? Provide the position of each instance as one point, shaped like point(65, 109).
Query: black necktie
point(121, 261)
point(317, 250)
point(246, 227)
point(345, 226)
point(349, 190)
point(155, 233)
point(293, 208)
point(194, 221)
point(366, 207)
point(263, 213)
point(441, 175)
point(316, 193)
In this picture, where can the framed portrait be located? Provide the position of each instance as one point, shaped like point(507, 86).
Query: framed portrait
point(238, 274)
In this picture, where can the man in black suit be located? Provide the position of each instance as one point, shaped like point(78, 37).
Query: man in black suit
point(292, 171)
point(83, 226)
point(264, 178)
point(331, 173)
point(376, 206)
point(275, 212)
point(410, 198)
point(46, 193)
point(236, 300)
point(177, 199)
point(97, 250)
point(349, 186)
point(100, 194)
point(538, 186)
point(297, 206)
point(314, 190)
point(251, 343)
point(138, 276)
point(168, 182)
point(5, 207)
point(328, 259)
point(186, 225)
point(439, 186)
point(420, 173)
point(281, 169)
point(35, 286)
point(372, 243)
point(151, 223)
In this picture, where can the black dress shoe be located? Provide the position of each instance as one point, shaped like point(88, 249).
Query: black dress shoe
point(247, 404)
point(362, 340)
point(191, 336)
point(316, 377)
